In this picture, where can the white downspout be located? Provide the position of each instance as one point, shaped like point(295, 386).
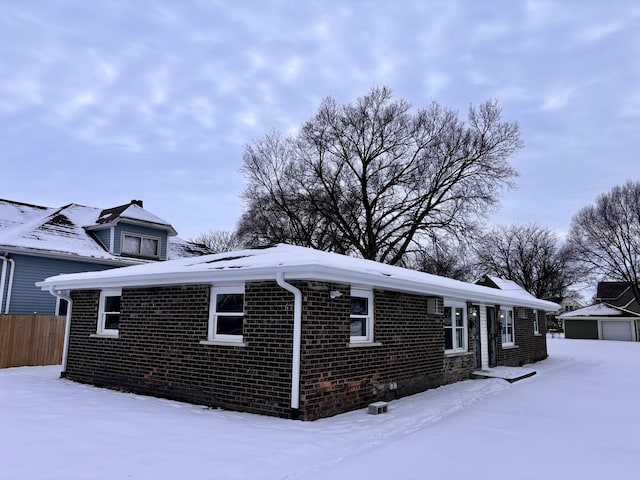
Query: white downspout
point(112, 239)
point(67, 326)
point(10, 287)
point(297, 333)
point(3, 274)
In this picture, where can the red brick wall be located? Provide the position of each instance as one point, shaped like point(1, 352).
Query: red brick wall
point(528, 347)
point(338, 377)
point(158, 350)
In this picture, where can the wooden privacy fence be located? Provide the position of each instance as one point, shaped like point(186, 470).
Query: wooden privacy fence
point(31, 340)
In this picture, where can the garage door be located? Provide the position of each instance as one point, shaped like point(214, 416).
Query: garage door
point(616, 330)
point(582, 329)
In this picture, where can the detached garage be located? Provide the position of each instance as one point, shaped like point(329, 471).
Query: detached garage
point(601, 322)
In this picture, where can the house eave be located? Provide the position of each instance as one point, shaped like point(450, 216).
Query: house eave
point(142, 223)
point(473, 293)
point(39, 252)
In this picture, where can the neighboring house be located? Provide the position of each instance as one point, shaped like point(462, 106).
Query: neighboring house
point(567, 304)
point(37, 242)
point(289, 331)
point(615, 316)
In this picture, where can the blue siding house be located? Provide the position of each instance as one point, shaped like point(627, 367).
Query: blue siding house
point(37, 242)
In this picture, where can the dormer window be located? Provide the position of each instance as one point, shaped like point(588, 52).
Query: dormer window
point(140, 246)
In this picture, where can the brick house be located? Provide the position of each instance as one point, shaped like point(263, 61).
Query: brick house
point(289, 331)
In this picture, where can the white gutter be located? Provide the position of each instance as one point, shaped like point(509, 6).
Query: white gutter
point(191, 274)
point(6, 259)
point(112, 239)
point(67, 326)
point(39, 252)
point(297, 333)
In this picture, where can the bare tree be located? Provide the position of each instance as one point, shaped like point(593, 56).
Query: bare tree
point(606, 235)
point(446, 257)
point(375, 178)
point(530, 255)
point(219, 240)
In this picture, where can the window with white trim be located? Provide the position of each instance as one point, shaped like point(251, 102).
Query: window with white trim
point(361, 318)
point(226, 317)
point(508, 333)
point(536, 323)
point(109, 311)
point(140, 245)
point(455, 327)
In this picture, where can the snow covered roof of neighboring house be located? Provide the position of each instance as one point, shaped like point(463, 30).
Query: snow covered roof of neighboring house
point(62, 232)
point(598, 310)
point(179, 248)
point(130, 211)
point(296, 263)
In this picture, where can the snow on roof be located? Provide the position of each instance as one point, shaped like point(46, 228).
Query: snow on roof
point(61, 231)
point(131, 211)
point(179, 248)
point(510, 286)
point(13, 214)
point(595, 310)
point(296, 263)
point(58, 231)
point(504, 284)
point(134, 212)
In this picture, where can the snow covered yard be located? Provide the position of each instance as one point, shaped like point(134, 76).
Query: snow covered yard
point(577, 418)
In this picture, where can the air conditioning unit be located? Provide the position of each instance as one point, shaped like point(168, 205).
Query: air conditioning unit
point(435, 306)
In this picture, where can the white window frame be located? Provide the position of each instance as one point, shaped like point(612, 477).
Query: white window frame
point(504, 315)
point(536, 323)
point(107, 292)
point(213, 314)
point(465, 327)
point(141, 237)
point(368, 294)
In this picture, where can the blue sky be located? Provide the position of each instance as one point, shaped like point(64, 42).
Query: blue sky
point(102, 102)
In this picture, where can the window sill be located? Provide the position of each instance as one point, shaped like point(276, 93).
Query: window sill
point(224, 343)
point(537, 335)
point(510, 347)
point(457, 354)
point(139, 257)
point(363, 344)
point(104, 335)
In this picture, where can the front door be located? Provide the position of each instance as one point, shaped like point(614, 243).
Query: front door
point(492, 334)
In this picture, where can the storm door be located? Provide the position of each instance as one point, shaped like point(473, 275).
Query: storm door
point(492, 333)
point(474, 320)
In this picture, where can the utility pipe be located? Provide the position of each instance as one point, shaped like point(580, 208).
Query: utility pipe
point(67, 326)
point(12, 270)
point(297, 333)
point(3, 274)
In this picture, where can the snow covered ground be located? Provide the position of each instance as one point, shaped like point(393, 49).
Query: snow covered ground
point(577, 418)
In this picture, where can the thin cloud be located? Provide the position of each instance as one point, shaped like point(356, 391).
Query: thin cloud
point(155, 83)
